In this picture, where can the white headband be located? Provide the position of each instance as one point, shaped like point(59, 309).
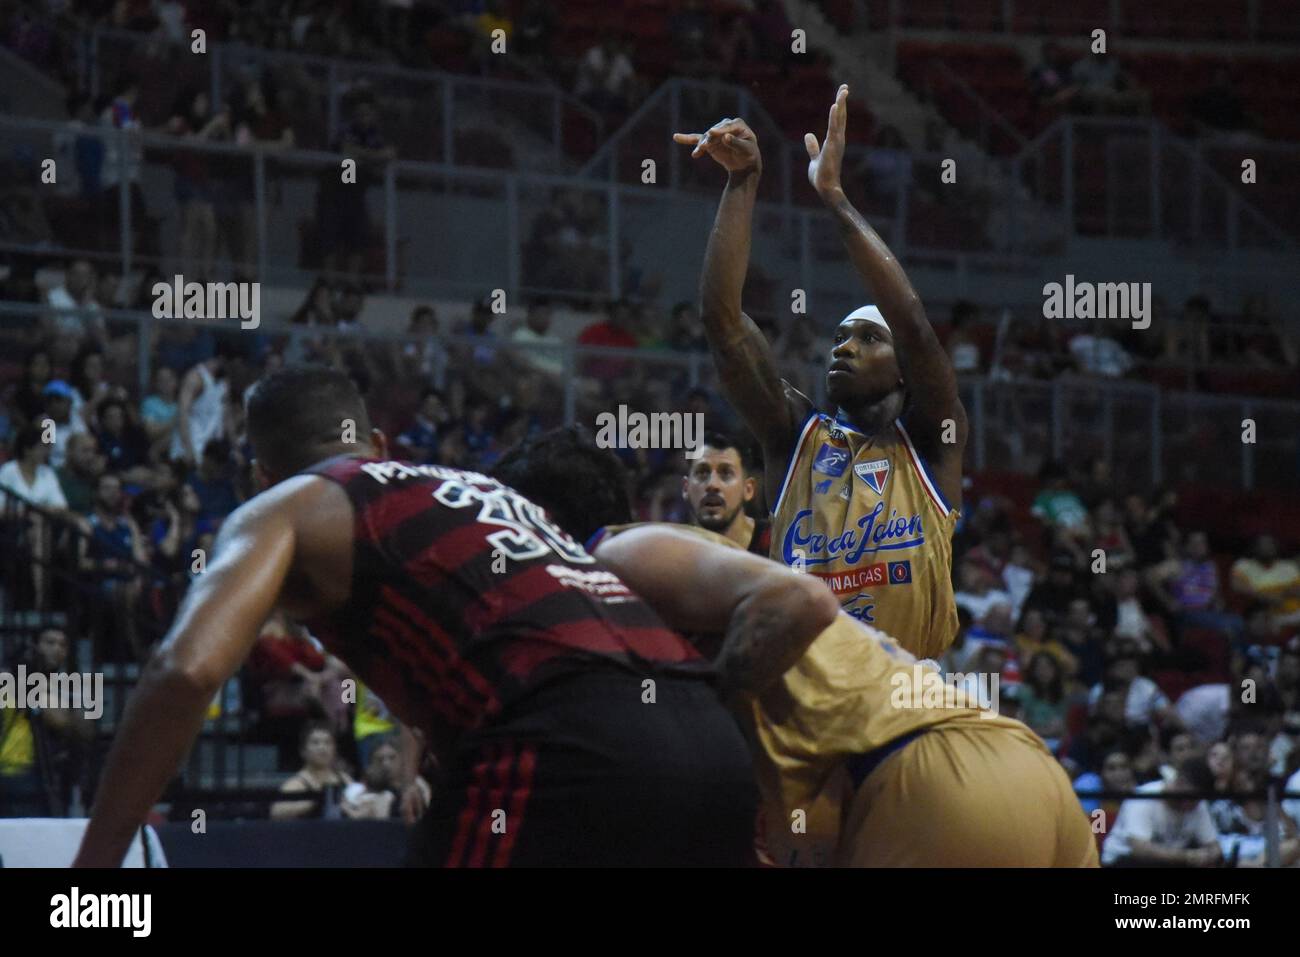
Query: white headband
point(869, 313)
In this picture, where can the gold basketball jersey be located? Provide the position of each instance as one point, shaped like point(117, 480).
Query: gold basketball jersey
point(863, 513)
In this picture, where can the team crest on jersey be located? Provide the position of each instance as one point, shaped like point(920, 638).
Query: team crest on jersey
point(875, 474)
point(900, 573)
point(831, 460)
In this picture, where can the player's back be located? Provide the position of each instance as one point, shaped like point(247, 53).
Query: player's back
point(547, 688)
point(855, 693)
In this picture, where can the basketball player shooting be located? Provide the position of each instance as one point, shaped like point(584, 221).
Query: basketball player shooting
point(866, 499)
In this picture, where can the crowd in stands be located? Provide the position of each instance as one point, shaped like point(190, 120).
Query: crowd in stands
point(1139, 650)
point(1129, 672)
point(1134, 671)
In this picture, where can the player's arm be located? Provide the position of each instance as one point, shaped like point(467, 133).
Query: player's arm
point(768, 614)
point(213, 633)
point(746, 366)
point(925, 365)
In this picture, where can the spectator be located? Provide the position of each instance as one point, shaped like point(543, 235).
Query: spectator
point(1132, 620)
point(318, 776)
point(685, 330)
point(977, 593)
point(175, 529)
point(158, 411)
point(479, 326)
point(963, 350)
point(1116, 777)
point(89, 386)
point(1052, 595)
point(348, 305)
point(28, 474)
point(538, 347)
point(202, 413)
point(26, 400)
point(377, 796)
point(61, 736)
point(1269, 580)
point(616, 332)
point(1057, 504)
point(124, 444)
point(213, 483)
point(1043, 702)
point(1249, 739)
point(1241, 825)
point(80, 473)
point(113, 555)
point(1189, 588)
point(372, 724)
point(1176, 830)
point(1110, 537)
point(606, 77)
point(194, 119)
point(422, 438)
point(1203, 710)
point(423, 356)
point(1288, 674)
point(1032, 639)
point(1100, 354)
point(1144, 702)
point(341, 215)
point(76, 313)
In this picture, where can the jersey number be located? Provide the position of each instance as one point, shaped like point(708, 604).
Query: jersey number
point(526, 532)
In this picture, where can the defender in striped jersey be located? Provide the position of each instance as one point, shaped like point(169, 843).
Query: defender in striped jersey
point(572, 725)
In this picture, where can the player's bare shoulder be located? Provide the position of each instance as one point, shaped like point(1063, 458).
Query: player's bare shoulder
point(318, 515)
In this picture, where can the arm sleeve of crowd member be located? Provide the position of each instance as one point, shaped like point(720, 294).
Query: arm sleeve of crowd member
point(214, 630)
point(769, 614)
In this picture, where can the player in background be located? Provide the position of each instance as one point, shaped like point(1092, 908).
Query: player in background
point(867, 499)
point(717, 488)
point(521, 660)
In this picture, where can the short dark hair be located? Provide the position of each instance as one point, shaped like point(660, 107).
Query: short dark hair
point(310, 728)
point(295, 416)
point(721, 441)
point(28, 437)
point(582, 486)
point(1197, 773)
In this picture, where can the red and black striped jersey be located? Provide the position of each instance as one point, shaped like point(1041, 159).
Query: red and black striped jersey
point(465, 596)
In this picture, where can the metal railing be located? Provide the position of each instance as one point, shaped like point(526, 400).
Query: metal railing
point(424, 112)
point(1134, 178)
point(1240, 24)
point(1150, 436)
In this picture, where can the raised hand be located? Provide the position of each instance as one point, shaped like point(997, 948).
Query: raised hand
point(730, 142)
point(824, 160)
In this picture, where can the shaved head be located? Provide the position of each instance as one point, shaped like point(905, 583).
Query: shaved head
point(301, 415)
